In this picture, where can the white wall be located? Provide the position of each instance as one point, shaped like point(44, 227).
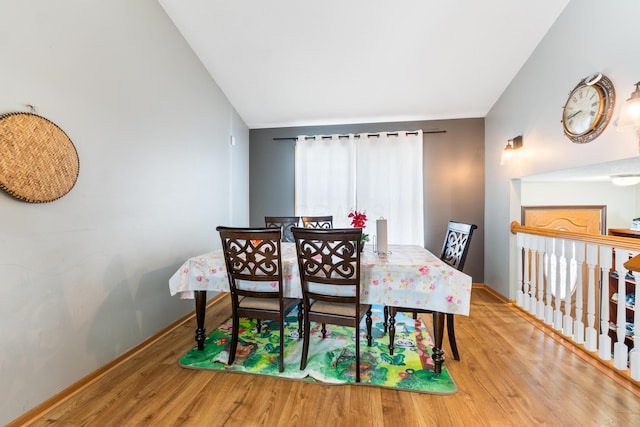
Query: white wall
point(588, 36)
point(85, 278)
point(621, 202)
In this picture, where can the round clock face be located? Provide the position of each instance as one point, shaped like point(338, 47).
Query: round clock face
point(588, 109)
point(583, 109)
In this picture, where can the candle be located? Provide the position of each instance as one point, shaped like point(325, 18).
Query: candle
point(381, 235)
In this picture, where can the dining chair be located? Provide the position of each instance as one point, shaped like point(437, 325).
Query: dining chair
point(253, 262)
point(284, 223)
point(454, 252)
point(329, 266)
point(324, 222)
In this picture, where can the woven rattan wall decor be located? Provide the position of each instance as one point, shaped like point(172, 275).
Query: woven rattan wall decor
point(38, 161)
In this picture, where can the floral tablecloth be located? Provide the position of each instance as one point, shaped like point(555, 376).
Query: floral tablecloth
point(408, 276)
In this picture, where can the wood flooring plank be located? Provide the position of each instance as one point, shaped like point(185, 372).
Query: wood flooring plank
point(511, 373)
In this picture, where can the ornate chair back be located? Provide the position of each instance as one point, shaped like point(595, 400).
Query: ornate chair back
point(456, 244)
point(284, 223)
point(325, 221)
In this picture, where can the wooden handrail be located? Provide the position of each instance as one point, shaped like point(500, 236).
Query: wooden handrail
point(600, 239)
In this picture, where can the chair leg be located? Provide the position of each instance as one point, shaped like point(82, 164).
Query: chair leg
point(324, 330)
point(300, 311)
point(452, 336)
point(235, 327)
point(305, 340)
point(259, 326)
point(451, 333)
point(357, 351)
point(281, 357)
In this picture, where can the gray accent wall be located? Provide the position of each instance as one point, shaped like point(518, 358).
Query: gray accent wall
point(453, 176)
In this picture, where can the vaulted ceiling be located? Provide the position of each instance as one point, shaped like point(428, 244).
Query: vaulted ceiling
point(293, 63)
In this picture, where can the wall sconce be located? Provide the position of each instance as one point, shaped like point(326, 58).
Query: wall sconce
point(510, 151)
point(630, 114)
point(625, 180)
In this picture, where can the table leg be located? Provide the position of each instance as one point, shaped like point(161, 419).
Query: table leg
point(201, 307)
point(386, 317)
point(438, 330)
point(392, 330)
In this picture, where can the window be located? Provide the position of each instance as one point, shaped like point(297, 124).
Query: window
point(380, 174)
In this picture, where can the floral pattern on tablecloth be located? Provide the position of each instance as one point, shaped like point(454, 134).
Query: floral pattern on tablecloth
point(408, 276)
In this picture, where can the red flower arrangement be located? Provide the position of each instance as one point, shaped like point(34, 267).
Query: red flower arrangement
point(359, 220)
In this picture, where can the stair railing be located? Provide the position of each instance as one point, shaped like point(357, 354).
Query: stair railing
point(564, 280)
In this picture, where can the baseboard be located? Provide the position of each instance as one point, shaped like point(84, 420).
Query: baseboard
point(489, 290)
point(83, 383)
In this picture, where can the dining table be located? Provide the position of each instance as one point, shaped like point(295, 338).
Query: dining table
point(404, 276)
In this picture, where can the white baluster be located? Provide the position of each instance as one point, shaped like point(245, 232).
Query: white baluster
point(560, 285)
point(620, 349)
point(520, 293)
point(591, 342)
point(634, 354)
point(526, 282)
point(541, 265)
point(578, 282)
point(535, 261)
point(550, 264)
point(567, 281)
point(604, 347)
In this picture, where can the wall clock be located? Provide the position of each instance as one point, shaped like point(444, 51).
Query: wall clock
point(589, 108)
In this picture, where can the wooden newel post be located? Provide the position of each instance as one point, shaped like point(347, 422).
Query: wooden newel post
point(634, 358)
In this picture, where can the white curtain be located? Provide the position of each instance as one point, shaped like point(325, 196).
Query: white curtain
point(325, 177)
point(389, 184)
point(380, 174)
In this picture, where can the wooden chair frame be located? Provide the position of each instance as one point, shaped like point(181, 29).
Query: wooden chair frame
point(454, 252)
point(324, 222)
point(254, 255)
point(284, 223)
point(331, 257)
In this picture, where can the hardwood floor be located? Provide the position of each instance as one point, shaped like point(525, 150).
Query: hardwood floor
point(510, 373)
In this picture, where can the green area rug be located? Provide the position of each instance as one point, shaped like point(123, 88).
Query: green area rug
point(332, 359)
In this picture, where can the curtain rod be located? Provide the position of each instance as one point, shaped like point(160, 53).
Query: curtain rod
point(358, 136)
